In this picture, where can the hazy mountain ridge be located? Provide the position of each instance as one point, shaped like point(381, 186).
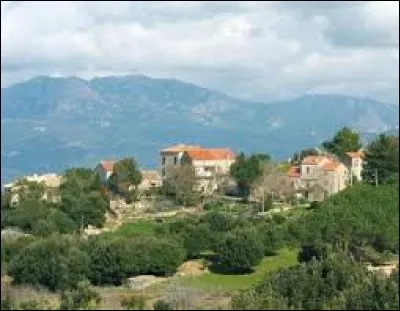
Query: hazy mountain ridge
point(52, 123)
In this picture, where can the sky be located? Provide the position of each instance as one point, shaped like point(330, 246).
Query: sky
point(261, 51)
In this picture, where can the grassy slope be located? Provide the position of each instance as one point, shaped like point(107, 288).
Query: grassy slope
point(285, 258)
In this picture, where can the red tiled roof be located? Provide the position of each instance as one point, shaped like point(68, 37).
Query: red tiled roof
point(358, 154)
point(180, 148)
point(312, 159)
point(330, 166)
point(294, 171)
point(107, 165)
point(210, 154)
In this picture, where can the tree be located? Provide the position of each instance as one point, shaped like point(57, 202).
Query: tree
point(246, 170)
point(299, 156)
point(382, 157)
point(84, 209)
point(345, 140)
point(126, 173)
point(55, 263)
point(181, 181)
point(240, 251)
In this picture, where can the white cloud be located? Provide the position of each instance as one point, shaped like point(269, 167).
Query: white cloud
point(258, 50)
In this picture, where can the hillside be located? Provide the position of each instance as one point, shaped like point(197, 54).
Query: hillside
point(52, 123)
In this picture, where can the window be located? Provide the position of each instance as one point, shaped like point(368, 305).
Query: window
point(163, 160)
point(308, 170)
point(163, 172)
point(175, 160)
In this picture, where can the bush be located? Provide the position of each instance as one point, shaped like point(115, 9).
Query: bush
point(83, 297)
point(55, 263)
point(217, 221)
point(162, 305)
point(240, 251)
point(113, 260)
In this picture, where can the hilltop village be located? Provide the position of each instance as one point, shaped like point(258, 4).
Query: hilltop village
point(208, 228)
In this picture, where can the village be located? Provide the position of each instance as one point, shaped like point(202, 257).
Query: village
point(313, 178)
point(198, 199)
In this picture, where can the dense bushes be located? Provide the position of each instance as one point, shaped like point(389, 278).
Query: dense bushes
point(239, 251)
point(335, 283)
point(113, 260)
point(54, 262)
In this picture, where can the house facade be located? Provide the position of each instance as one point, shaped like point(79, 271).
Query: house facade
point(172, 156)
point(211, 165)
point(354, 163)
point(318, 177)
point(105, 169)
point(51, 183)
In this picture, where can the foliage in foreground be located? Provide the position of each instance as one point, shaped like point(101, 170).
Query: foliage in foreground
point(332, 284)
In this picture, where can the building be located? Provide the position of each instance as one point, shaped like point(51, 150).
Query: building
point(150, 179)
point(354, 163)
point(172, 156)
point(211, 165)
point(105, 168)
point(319, 176)
point(51, 183)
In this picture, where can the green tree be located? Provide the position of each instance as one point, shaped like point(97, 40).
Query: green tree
point(126, 172)
point(240, 251)
point(246, 170)
point(345, 140)
point(382, 157)
point(55, 263)
point(181, 182)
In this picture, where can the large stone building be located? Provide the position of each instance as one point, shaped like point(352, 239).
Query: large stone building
point(318, 177)
point(211, 165)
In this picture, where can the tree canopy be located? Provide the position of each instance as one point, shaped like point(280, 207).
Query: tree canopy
point(345, 140)
point(382, 157)
point(246, 170)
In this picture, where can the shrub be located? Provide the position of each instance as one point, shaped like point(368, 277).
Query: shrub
point(240, 251)
point(55, 263)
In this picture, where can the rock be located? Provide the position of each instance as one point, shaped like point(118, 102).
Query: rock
point(142, 281)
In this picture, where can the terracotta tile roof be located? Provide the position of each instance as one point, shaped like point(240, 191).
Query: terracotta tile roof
point(107, 165)
point(222, 153)
point(211, 154)
point(294, 171)
point(313, 159)
point(330, 166)
point(150, 174)
point(180, 148)
point(358, 154)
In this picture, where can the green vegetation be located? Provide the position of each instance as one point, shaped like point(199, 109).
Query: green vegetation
point(382, 158)
point(240, 251)
point(343, 141)
point(334, 284)
point(229, 282)
point(126, 173)
point(56, 263)
point(246, 170)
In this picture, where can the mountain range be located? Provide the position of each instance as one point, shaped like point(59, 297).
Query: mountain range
point(49, 124)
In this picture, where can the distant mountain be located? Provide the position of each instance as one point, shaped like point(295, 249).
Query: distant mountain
point(48, 124)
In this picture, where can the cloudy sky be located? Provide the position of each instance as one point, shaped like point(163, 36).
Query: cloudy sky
point(253, 50)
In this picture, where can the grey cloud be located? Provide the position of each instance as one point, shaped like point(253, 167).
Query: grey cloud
point(257, 50)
